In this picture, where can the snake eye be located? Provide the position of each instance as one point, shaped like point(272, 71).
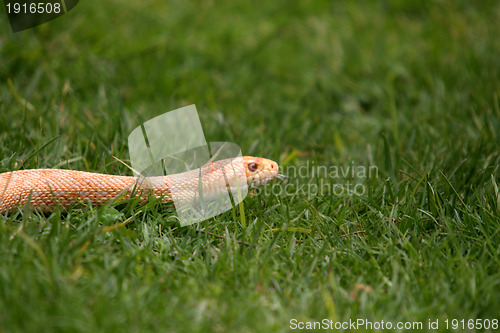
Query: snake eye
point(252, 167)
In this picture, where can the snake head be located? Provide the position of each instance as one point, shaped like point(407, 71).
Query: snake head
point(259, 170)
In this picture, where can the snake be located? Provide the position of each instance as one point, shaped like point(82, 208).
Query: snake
point(46, 189)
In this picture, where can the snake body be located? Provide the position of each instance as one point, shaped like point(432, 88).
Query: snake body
point(46, 189)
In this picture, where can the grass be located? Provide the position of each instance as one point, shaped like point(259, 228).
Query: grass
point(411, 88)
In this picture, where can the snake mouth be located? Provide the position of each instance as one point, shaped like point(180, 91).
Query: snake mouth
point(256, 182)
point(266, 180)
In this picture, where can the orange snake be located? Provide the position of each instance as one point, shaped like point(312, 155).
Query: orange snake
point(46, 189)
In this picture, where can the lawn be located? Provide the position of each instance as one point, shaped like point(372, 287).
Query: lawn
point(384, 115)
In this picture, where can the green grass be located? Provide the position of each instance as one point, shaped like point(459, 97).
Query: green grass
point(411, 88)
